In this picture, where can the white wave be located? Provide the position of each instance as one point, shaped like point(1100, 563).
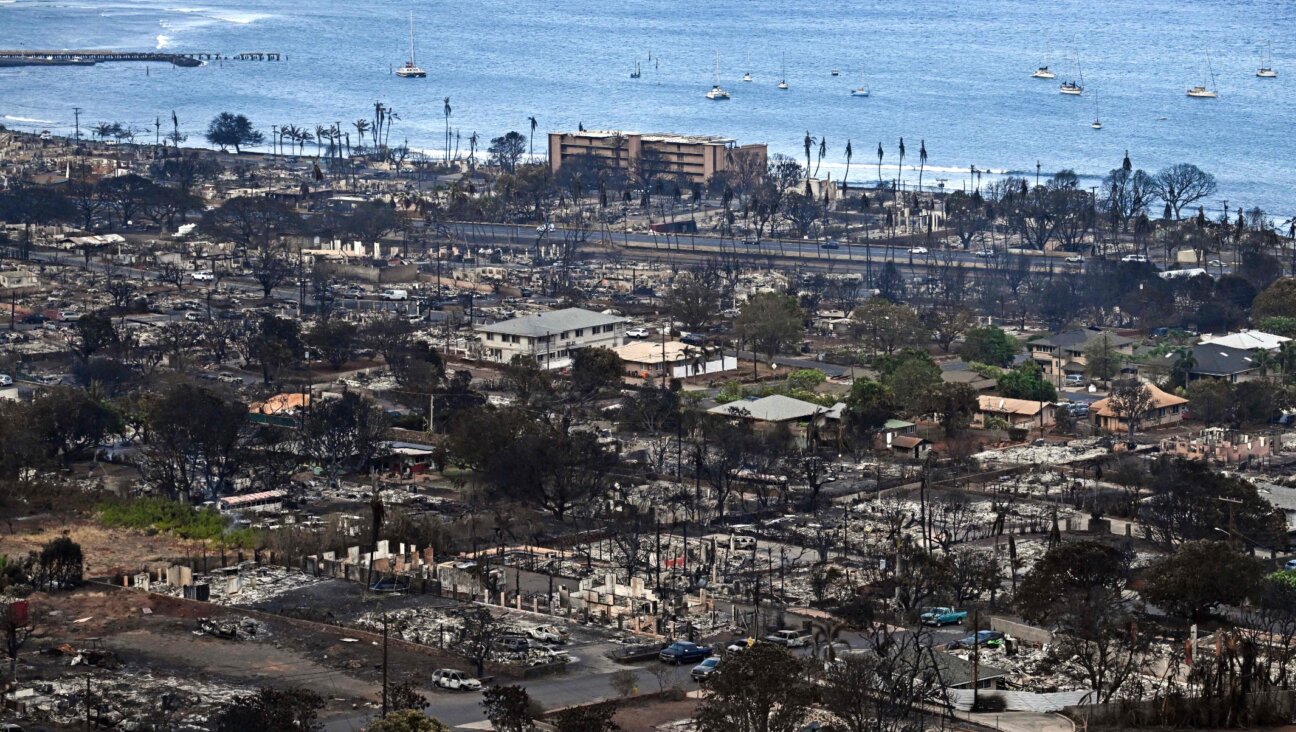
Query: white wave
point(164, 42)
point(30, 120)
point(242, 18)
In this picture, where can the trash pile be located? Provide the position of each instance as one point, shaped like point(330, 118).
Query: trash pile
point(246, 584)
point(232, 628)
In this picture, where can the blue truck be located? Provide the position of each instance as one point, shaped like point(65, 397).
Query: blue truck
point(939, 616)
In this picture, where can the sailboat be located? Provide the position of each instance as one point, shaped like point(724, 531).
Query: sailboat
point(783, 79)
point(411, 70)
point(1097, 123)
point(1043, 72)
point(747, 75)
point(638, 72)
point(1201, 91)
point(1071, 87)
point(717, 93)
point(1266, 70)
point(861, 91)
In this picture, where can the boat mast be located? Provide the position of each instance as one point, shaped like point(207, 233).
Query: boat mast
point(411, 36)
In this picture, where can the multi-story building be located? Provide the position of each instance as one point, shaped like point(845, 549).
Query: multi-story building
point(695, 157)
point(1063, 354)
point(550, 338)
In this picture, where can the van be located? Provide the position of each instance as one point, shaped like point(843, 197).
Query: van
point(1134, 258)
point(395, 295)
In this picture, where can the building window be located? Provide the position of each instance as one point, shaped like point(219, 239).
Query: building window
point(580, 332)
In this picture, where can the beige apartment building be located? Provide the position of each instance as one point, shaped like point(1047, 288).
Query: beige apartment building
point(696, 157)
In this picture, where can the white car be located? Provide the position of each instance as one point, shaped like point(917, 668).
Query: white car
point(6, 380)
point(637, 333)
point(395, 295)
point(202, 276)
point(984, 253)
point(917, 250)
point(1134, 258)
point(1216, 263)
point(1075, 259)
point(548, 634)
point(544, 228)
point(448, 678)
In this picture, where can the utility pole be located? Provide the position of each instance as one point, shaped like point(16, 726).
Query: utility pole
point(384, 670)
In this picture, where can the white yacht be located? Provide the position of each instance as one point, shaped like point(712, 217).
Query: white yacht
point(1266, 70)
point(747, 76)
point(1043, 72)
point(1071, 87)
point(411, 70)
point(1201, 91)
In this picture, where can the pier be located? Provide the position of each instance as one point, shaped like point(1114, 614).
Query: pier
point(90, 58)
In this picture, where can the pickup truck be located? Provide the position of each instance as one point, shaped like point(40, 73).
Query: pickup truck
point(939, 616)
point(683, 652)
point(789, 638)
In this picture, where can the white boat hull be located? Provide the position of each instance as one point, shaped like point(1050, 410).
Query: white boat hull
point(1073, 91)
point(859, 92)
point(1267, 74)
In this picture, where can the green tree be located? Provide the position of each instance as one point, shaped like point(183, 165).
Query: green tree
point(955, 404)
point(232, 130)
point(58, 565)
point(334, 340)
point(887, 327)
point(587, 718)
point(594, 372)
point(770, 322)
point(1102, 360)
point(1212, 401)
point(67, 422)
point(407, 720)
point(989, 345)
point(506, 150)
point(271, 710)
point(912, 381)
point(694, 300)
point(762, 689)
point(509, 708)
point(1201, 576)
point(1027, 382)
point(1276, 301)
point(868, 406)
point(276, 345)
point(1191, 501)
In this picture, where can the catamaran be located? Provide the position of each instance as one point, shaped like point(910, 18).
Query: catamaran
point(411, 70)
point(1201, 91)
point(716, 92)
point(1266, 70)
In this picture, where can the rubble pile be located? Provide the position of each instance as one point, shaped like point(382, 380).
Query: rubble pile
point(1061, 453)
point(131, 700)
point(246, 584)
point(425, 626)
point(233, 628)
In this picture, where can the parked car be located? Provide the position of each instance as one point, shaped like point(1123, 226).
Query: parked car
point(917, 250)
point(394, 295)
point(202, 275)
point(193, 317)
point(683, 652)
point(1076, 380)
point(448, 678)
point(939, 616)
point(984, 253)
point(514, 644)
point(1134, 258)
point(544, 228)
point(637, 333)
point(693, 339)
point(990, 638)
point(69, 315)
point(789, 638)
point(548, 634)
point(1075, 259)
point(1290, 565)
point(830, 244)
point(6, 380)
point(1216, 263)
point(703, 671)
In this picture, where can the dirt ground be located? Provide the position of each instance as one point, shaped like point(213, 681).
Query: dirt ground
point(106, 550)
point(647, 717)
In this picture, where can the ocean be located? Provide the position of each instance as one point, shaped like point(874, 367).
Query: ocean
point(952, 75)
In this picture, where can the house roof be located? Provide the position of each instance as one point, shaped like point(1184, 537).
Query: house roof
point(773, 408)
point(1079, 338)
point(1160, 400)
point(653, 351)
point(551, 323)
point(1214, 359)
point(280, 403)
point(1248, 339)
point(907, 442)
point(892, 425)
point(992, 404)
point(971, 378)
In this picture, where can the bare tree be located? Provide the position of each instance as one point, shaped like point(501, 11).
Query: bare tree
point(1130, 399)
point(1182, 185)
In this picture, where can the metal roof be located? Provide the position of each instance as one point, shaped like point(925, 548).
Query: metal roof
point(551, 323)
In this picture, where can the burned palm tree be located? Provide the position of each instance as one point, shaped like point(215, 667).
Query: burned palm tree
point(531, 140)
point(879, 153)
point(922, 161)
point(900, 168)
point(447, 111)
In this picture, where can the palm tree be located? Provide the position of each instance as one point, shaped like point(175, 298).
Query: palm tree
point(531, 141)
point(1263, 360)
point(447, 129)
point(1184, 363)
point(900, 169)
point(322, 133)
point(809, 143)
point(849, 153)
point(361, 127)
point(823, 150)
point(1287, 357)
point(922, 161)
point(303, 137)
point(472, 149)
point(879, 163)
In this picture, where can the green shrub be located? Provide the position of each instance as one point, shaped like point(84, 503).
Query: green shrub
point(173, 517)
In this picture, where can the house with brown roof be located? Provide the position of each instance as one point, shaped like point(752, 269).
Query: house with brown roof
point(1165, 410)
point(1024, 413)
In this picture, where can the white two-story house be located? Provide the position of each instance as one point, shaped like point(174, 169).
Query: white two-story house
point(550, 338)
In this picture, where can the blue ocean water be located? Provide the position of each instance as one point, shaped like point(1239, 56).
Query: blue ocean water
point(953, 74)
